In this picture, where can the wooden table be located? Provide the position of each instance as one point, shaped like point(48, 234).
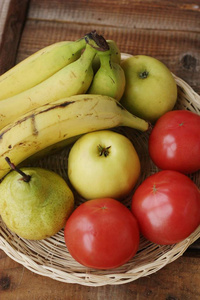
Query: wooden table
point(168, 30)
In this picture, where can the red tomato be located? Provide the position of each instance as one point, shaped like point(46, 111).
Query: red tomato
point(167, 207)
point(174, 143)
point(102, 234)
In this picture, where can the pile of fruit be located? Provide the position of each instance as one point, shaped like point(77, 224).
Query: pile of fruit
point(75, 94)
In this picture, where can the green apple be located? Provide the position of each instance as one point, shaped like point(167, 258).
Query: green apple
point(103, 164)
point(150, 90)
point(36, 204)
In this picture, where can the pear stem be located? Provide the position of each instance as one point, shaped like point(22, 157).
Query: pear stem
point(25, 178)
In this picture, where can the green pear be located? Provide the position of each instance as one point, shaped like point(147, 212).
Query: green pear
point(34, 202)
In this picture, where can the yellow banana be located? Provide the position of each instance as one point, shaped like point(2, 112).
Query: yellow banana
point(39, 66)
point(73, 79)
point(51, 150)
point(109, 79)
point(61, 120)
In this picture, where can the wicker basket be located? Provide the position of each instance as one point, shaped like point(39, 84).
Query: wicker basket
point(50, 257)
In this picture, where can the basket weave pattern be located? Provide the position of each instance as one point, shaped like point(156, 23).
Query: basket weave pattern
point(51, 258)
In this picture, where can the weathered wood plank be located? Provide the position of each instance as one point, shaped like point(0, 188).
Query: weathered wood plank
point(170, 15)
point(4, 5)
point(178, 280)
point(12, 18)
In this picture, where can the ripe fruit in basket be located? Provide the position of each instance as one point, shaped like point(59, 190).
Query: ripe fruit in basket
point(150, 88)
point(103, 164)
point(167, 207)
point(61, 120)
point(174, 142)
point(102, 234)
point(34, 202)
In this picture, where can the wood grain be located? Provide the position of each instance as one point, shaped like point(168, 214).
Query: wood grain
point(167, 30)
point(13, 15)
point(157, 15)
point(177, 281)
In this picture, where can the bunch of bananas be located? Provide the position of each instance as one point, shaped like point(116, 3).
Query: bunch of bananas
point(60, 92)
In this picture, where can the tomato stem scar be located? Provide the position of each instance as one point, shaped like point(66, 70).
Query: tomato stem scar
point(154, 189)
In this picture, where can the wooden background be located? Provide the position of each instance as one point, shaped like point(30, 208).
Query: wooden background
point(167, 30)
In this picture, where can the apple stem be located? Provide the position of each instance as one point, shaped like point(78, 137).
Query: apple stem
point(103, 150)
point(25, 178)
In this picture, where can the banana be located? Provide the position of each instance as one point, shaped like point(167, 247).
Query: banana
point(61, 120)
point(114, 52)
point(109, 79)
point(73, 79)
point(39, 66)
point(51, 150)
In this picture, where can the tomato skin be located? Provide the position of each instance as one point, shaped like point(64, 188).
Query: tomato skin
point(174, 143)
point(102, 234)
point(167, 207)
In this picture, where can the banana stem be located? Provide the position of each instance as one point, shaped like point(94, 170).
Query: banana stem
point(105, 59)
point(97, 41)
point(25, 177)
point(88, 55)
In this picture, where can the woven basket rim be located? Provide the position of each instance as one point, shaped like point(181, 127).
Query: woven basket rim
point(16, 248)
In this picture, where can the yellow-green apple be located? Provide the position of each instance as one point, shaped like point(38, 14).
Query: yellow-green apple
point(103, 164)
point(150, 90)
